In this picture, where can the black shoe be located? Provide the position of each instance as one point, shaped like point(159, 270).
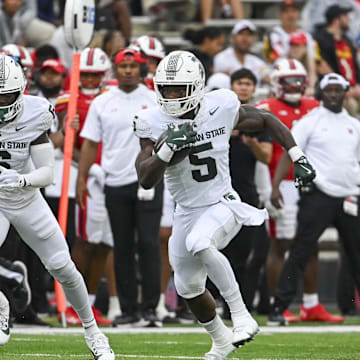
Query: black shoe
point(185, 316)
point(126, 319)
point(150, 319)
point(276, 318)
point(29, 317)
point(22, 293)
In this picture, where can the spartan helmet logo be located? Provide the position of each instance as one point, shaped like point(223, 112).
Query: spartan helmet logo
point(173, 66)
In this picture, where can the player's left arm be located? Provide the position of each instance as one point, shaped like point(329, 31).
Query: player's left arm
point(255, 119)
point(251, 118)
point(42, 156)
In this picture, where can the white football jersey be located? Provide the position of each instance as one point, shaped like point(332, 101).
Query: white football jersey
point(203, 177)
point(15, 139)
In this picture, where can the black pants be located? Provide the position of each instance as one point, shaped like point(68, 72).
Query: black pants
point(316, 212)
point(130, 216)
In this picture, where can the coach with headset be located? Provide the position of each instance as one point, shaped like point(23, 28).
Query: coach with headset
point(330, 138)
point(132, 209)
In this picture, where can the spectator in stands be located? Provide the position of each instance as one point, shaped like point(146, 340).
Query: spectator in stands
point(313, 15)
point(37, 31)
point(46, 11)
point(131, 208)
point(209, 41)
point(113, 15)
point(338, 53)
point(64, 50)
point(11, 29)
point(229, 9)
point(299, 51)
point(277, 42)
point(238, 55)
point(113, 41)
point(333, 197)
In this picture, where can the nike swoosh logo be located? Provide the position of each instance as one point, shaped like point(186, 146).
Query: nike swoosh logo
point(6, 331)
point(180, 138)
point(20, 128)
point(213, 111)
point(306, 169)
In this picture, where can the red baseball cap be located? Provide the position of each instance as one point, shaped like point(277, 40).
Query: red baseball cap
point(298, 38)
point(54, 64)
point(129, 55)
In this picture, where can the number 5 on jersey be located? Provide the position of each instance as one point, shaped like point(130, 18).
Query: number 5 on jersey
point(208, 161)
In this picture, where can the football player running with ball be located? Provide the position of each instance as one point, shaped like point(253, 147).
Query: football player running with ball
point(209, 212)
point(27, 164)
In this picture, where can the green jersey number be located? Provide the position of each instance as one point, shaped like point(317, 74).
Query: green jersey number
point(208, 161)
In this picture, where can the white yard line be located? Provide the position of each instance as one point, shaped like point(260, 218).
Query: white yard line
point(187, 330)
point(58, 356)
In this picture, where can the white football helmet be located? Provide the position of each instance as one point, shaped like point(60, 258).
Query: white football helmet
point(12, 80)
point(150, 46)
point(288, 80)
point(94, 60)
point(22, 54)
point(180, 68)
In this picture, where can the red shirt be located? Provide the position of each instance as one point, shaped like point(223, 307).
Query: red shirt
point(346, 61)
point(287, 114)
point(83, 105)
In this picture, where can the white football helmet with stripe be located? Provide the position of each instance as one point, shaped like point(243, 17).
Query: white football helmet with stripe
point(12, 80)
point(288, 80)
point(22, 54)
point(94, 60)
point(150, 46)
point(180, 68)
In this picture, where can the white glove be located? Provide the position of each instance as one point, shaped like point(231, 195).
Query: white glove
point(10, 179)
point(98, 173)
point(273, 211)
point(145, 194)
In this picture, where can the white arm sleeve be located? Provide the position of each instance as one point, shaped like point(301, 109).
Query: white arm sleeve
point(43, 158)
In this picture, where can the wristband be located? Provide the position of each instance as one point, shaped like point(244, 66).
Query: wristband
point(165, 154)
point(295, 153)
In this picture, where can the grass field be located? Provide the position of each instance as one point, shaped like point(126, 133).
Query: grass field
point(289, 343)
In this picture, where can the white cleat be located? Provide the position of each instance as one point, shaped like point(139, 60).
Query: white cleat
point(246, 333)
point(220, 352)
point(99, 347)
point(4, 319)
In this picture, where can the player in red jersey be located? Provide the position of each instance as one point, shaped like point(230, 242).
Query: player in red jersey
point(288, 82)
point(94, 236)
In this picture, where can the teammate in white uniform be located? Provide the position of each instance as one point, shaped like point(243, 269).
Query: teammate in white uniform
point(208, 213)
point(26, 164)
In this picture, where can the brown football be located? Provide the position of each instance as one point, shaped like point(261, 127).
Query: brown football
point(178, 156)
